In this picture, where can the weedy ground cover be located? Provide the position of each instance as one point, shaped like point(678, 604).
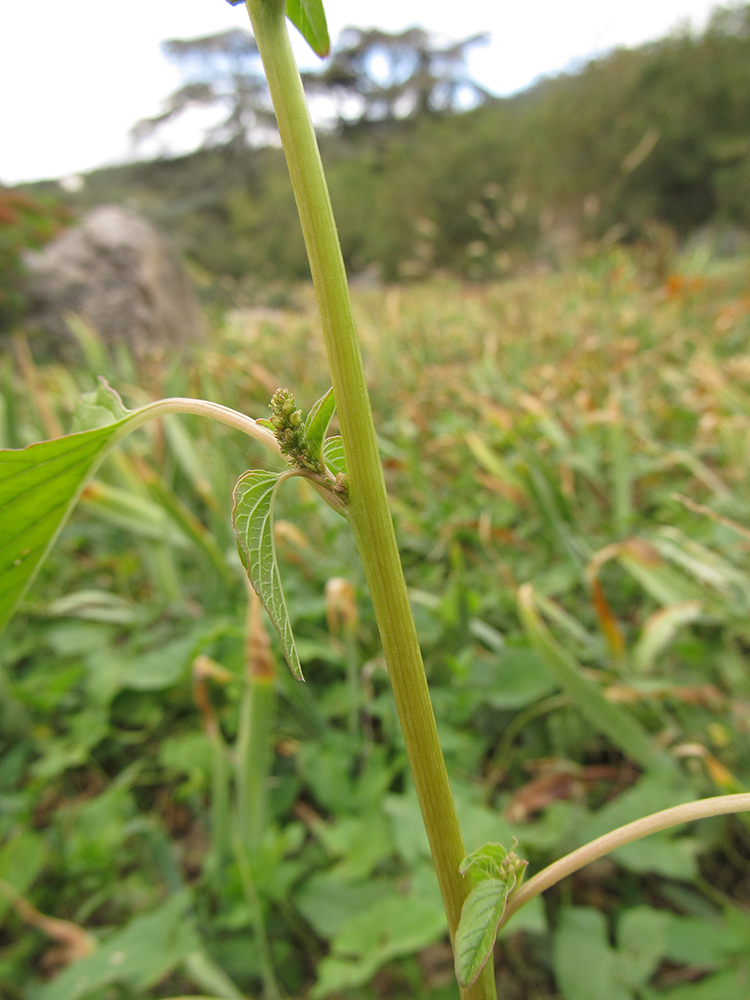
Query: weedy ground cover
point(586, 432)
point(481, 890)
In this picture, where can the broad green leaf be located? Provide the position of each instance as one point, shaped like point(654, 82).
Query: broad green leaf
point(317, 423)
point(408, 826)
point(515, 678)
point(39, 487)
point(701, 942)
point(728, 985)
point(140, 955)
point(254, 497)
point(398, 925)
point(641, 943)
point(361, 842)
point(586, 967)
point(309, 18)
point(328, 900)
point(477, 929)
point(157, 668)
point(333, 454)
point(673, 857)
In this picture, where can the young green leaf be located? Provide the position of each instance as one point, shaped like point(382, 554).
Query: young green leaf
point(497, 873)
point(317, 423)
point(333, 455)
point(309, 18)
point(252, 515)
point(482, 912)
point(486, 862)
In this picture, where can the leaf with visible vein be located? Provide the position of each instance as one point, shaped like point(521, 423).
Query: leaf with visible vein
point(317, 423)
point(254, 497)
point(333, 453)
point(39, 487)
point(485, 862)
point(482, 912)
point(309, 18)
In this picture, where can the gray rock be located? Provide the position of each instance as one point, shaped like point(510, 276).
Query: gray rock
point(119, 274)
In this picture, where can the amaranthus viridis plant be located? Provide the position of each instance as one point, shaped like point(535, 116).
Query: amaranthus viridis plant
point(40, 485)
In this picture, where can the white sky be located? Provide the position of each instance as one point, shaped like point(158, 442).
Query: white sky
point(76, 74)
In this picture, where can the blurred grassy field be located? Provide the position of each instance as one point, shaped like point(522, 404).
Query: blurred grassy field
point(586, 431)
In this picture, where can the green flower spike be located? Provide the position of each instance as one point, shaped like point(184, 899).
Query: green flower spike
point(291, 432)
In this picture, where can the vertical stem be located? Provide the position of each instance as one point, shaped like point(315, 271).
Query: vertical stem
point(270, 986)
point(352, 682)
point(369, 512)
point(257, 713)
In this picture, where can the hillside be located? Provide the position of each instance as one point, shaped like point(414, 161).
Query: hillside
point(646, 144)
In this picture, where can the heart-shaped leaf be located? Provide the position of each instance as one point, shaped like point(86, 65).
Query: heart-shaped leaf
point(317, 423)
point(309, 18)
point(477, 929)
point(254, 497)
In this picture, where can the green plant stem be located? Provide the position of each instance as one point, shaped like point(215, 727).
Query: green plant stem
point(258, 712)
point(688, 812)
point(352, 682)
point(204, 408)
point(270, 986)
point(220, 822)
point(368, 512)
point(257, 716)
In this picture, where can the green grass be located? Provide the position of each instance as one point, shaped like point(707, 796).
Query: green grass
point(525, 427)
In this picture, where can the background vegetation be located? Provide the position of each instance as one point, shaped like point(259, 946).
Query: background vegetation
point(586, 432)
point(641, 146)
point(585, 428)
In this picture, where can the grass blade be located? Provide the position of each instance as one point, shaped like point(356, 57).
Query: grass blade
point(627, 734)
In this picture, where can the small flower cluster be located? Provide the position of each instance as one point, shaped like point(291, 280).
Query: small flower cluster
point(510, 866)
point(290, 430)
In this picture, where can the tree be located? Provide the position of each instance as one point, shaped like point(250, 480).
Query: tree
point(376, 76)
point(373, 76)
point(221, 70)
